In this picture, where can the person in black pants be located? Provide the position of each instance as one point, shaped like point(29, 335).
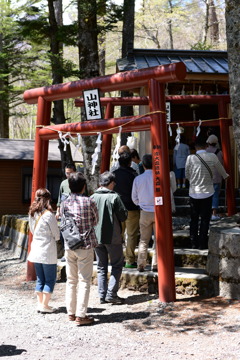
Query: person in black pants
point(199, 171)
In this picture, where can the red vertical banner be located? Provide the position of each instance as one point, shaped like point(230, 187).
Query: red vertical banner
point(40, 164)
point(161, 179)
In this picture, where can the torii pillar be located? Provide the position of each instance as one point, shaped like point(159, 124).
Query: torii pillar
point(161, 180)
point(40, 164)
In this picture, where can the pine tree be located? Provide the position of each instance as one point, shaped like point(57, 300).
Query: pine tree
point(13, 65)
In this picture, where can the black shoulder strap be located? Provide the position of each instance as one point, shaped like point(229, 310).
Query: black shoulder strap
point(205, 164)
point(217, 151)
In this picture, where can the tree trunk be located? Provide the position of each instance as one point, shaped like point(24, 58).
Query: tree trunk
point(56, 57)
point(89, 67)
point(213, 23)
point(128, 26)
point(4, 95)
point(232, 13)
point(206, 27)
point(170, 31)
point(127, 45)
point(102, 38)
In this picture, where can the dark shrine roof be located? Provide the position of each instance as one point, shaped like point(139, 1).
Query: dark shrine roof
point(23, 149)
point(196, 61)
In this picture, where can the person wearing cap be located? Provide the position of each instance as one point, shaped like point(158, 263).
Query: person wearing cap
point(213, 147)
point(199, 171)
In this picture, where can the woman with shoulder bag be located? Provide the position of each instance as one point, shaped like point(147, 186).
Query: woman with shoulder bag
point(43, 225)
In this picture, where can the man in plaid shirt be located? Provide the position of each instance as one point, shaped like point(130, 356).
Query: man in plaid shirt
point(79, 262)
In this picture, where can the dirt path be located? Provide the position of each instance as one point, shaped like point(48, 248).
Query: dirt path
point(141, 329)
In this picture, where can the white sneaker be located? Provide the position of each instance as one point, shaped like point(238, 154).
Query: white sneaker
point(48, 310)
point(215, 217)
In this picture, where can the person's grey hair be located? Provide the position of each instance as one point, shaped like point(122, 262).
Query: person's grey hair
point(147, 161)
point(106, 178)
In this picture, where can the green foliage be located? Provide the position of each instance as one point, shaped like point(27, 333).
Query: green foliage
point(25, 33)
point(201, 46)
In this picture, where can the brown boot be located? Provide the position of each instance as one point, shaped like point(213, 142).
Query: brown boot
point(87, 320)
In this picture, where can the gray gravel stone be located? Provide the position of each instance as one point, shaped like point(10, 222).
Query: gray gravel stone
point(143, 328)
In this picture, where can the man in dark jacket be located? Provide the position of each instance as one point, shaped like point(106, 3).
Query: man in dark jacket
point(125, 176)
point(111, 212)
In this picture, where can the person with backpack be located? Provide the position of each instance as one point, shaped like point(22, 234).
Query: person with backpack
point(79, 262)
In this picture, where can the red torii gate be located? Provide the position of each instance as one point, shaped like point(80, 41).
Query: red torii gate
point(154, 78)
point(223, 122)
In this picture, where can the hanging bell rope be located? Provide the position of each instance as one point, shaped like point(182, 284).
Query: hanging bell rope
point(178, 137)
point(64, 139)
point(199, 128)
point(96, 152)
point(115, 154)
point(79, 143)
point(131, 141)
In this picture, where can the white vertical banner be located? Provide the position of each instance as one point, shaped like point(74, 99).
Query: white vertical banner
point(92, 104)
point(168, 111)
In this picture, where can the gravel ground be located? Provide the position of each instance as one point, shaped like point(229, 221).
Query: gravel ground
point(141, 329)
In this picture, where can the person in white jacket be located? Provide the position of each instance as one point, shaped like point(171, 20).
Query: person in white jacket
point(43, 225)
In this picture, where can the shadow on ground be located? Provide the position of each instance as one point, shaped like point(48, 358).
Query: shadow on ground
point(10, 350)
point(201, 315)
point(118, 317)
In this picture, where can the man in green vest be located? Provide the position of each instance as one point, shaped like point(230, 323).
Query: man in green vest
point(112, 213)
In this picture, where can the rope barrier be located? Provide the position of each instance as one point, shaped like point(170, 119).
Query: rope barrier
point(130, 121)
point(94, 132)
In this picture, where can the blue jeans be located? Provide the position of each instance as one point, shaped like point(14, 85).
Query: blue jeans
point(180, 173)
point(215, 199)
point(115, 253)
point(46, 277)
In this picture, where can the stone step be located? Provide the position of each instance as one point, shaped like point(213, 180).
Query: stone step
point(192, 281)
point(181, 199)
point(185, 257)
point(181, 238)
point(184, 201)
point(190, 258)
point(184, 193)
point(189, 280)
point(184, 210)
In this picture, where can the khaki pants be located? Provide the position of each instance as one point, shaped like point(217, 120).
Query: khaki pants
point(131, 225)
point(79, 268)
point(147, 227)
